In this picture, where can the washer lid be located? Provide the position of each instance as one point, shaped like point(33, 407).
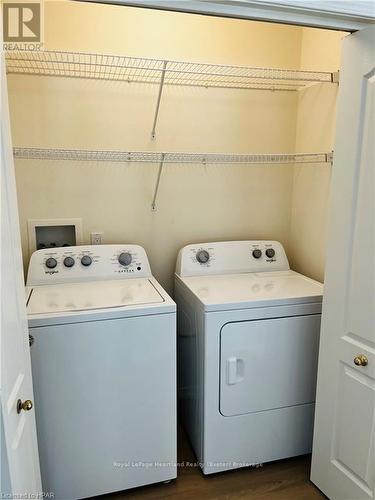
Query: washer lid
point(94, 295)
point(236, 291)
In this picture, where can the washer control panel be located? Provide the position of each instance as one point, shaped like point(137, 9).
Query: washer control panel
point(231, 257)
point(87, 263)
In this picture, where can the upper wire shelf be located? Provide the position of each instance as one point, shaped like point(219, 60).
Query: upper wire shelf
point(145, 70)
point(168, 157)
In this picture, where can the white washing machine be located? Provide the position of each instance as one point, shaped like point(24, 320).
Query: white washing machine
point(103, 350)
point(248, 336)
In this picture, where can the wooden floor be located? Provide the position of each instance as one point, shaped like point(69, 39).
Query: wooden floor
point(283, 480)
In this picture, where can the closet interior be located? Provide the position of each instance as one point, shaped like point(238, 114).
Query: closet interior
point(166, 128)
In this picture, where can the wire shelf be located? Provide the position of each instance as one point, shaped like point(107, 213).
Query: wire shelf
point(145, 70)
point(168, 157)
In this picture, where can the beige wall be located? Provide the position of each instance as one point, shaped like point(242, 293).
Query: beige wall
point(196, 203)
point(316, 111)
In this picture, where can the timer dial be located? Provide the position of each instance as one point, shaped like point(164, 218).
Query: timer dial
point(125, 258)
point(270, 252)
point(203, 256)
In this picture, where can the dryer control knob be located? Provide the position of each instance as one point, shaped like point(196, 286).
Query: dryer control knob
point(257, 253)
point(270, 252)
point(203, 256)
point(51, 263)
point(125, 258)
point(68, 262)
point(86, 260)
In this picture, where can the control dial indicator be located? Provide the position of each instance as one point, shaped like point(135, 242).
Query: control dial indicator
point(125, 258)
point(257, 253)
point(270, 252)
point(69, 262)
point(86, 260)
point(51, 263)
point(202, 256)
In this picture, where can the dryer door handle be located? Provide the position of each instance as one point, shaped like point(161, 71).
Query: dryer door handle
point(235, 370)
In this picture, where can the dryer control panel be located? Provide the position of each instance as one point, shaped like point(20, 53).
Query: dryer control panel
point(87, 263)
point(231, 257)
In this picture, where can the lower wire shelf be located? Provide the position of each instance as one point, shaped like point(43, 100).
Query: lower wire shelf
point(162, 158)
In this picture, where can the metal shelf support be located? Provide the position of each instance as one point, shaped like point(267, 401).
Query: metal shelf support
point(161, 85)
point(161, 164)
point(330, 158)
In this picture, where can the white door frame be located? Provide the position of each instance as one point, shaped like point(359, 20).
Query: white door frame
point(257, 10)
point(338, 15)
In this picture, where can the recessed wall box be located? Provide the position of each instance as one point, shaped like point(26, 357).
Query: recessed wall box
point(49, 233)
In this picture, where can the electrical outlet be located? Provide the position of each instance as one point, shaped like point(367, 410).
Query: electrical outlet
point(96, 238)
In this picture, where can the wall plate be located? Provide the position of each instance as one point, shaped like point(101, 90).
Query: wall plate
point(70, 233)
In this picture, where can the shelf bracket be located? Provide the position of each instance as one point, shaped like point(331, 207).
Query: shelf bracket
point(335, 77)
point(329, 157)
point(161, 85)
point(161, 164)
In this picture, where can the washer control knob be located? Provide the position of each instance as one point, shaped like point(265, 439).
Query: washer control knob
point(257, 253)
point(270, 252)
point(125, 258)
point(203, 256)
point(69, 262)
point(86, 260)
point(51, 263)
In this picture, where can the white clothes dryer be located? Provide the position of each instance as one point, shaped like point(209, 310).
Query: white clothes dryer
point(248, 337)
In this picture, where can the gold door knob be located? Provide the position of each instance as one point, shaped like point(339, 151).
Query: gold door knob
point(26, 405)
point(360, 360)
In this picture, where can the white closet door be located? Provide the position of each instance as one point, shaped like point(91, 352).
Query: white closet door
point(343, 464)
point(22, 476)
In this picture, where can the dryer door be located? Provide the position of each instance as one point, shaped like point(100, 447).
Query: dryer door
point(268, 364)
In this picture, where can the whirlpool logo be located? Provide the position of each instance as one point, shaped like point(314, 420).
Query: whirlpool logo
point(22, 25)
